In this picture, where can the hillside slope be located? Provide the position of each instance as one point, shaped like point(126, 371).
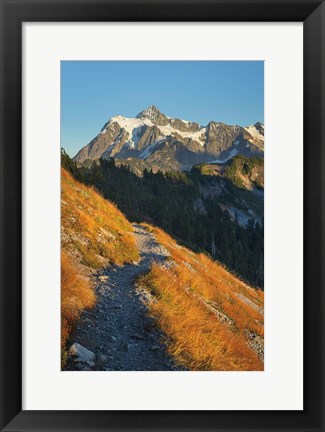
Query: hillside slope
point(173, 310)
point(160, 307)
point(94, 233)
point(204, 212)
point(243, 172)
point(92, 228)
point(212, 319)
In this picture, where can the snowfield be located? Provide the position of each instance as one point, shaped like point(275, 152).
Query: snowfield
point(198, 136)
point(232, 153)
point(133, 125)
point(254, 132)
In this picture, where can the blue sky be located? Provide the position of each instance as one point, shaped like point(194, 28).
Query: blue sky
point(94, 91)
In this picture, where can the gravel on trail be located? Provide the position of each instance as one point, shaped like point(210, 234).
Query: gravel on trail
point(119, 330)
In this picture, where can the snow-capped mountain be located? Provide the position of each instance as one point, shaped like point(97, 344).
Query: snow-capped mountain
point(171, 143)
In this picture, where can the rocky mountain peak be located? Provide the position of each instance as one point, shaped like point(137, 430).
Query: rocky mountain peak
point(152, 113)
point(260, 127)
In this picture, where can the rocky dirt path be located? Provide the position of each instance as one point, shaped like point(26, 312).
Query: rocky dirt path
point(118, 330)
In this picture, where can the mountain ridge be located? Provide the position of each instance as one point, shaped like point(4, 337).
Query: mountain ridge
point(172, 143)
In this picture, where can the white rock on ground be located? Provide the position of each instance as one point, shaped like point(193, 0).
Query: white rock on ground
point(82, 353)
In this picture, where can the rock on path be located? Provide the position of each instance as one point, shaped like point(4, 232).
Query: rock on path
point(118, 330)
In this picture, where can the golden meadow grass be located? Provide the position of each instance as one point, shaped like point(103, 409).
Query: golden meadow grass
point(76, 294)
point(94, 233)
point(204, 310)
point(93, 227)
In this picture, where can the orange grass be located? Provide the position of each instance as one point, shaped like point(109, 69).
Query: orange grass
point(188, 294)
point(76, 295)
point(92, 227)
point(94, 233)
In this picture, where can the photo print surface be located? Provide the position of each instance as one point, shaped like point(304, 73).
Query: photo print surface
point(162, 216)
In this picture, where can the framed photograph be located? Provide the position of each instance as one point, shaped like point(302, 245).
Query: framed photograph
point(162, 208)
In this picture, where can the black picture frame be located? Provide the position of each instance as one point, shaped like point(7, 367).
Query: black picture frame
point(13, 14)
